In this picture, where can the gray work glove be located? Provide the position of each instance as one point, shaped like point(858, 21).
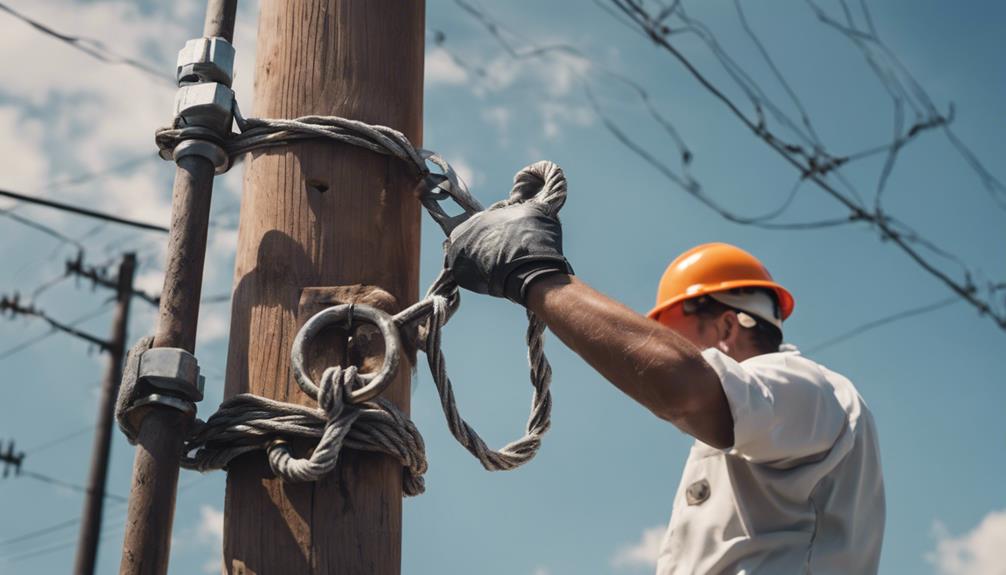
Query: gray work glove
point(502, 250)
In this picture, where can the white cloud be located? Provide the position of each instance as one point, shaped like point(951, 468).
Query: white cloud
point(642, 553)
point(211, 524)
point(555, 115)
point(560, 74)
point(213, 324)
point(23, 166)
point(500, 73)
point(211, 533)
point(981, 551)
point(440, 68)
point(541, 571)
point(150, 281)
point(499, 118)
point(466, 172)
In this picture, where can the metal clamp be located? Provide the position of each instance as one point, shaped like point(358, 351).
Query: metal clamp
point(167, 377)
point(206, 60)
point(435, 188)
point(206, 149)
point(185, 406)
point(371, 384)
point(173, 370)
point(209, 105)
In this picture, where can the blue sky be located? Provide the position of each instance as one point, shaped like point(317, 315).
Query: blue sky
point(602, 484)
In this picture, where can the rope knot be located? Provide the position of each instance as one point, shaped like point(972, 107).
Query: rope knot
point(332, 390)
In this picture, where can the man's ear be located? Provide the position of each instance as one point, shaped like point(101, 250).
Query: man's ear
point(729, 329)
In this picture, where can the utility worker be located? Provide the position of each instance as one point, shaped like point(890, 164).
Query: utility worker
point(784, 476)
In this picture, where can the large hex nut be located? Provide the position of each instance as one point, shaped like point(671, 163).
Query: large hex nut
point(205, 105)
point(172, 369)
point(206, 60)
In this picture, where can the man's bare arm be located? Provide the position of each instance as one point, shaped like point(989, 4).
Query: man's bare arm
point(646, 360)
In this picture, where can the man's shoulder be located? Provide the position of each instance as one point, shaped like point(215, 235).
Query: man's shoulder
point(789, 364)
point(789, 360)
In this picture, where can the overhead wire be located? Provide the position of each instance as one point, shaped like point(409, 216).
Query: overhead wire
point(869, 326)
point(60, 440)
point(82, 211)
point(30, 342)
point(108, 528)
point(124, 166)
point(48, 479)
point(90, 46)
point(813, 166)
point(814, 163)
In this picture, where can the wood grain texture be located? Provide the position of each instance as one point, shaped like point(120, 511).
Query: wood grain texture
point(315, 215)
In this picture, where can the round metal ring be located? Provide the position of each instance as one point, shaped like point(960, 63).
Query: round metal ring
point(373, 383)
point(206, 149)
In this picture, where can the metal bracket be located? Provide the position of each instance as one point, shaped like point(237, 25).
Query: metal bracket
point(206, 149)
point(183, 405)
point(173, 370)
point(206, 60)
point(209, 105)
point(435, 188)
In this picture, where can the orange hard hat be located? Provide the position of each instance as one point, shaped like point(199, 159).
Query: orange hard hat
point(711, 268)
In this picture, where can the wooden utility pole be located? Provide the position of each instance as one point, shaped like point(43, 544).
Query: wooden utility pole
point(323, 223)
point(90, 525)
point(162, 431)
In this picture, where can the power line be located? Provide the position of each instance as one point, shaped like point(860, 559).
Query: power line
point(813, 162)
point(72, 486)
point(87, 177)
point(90, 46)
point(59, 440)
point(809, 155)
point(63, 239)
point(106, 530)
point(13, 306)
point(26, 344)
point(40, 532)
point(928, 308)
point(99, 276)
point(82, 211)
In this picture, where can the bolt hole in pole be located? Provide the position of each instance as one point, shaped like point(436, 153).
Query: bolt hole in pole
point(317, 186)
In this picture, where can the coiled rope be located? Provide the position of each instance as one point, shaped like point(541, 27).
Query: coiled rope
point(246, 422)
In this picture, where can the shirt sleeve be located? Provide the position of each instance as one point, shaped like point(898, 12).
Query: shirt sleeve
point(784, 409)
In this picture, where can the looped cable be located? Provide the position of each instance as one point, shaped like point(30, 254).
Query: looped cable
point(326, 454)
point(542, 182)
point(350, 413)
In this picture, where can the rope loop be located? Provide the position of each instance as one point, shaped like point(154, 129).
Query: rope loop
point(325, 455)
point(543, 182)
point(350, 412)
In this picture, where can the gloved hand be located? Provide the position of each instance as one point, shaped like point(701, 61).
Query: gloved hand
point(502, 250)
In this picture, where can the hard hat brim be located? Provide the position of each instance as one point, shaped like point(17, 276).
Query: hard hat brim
point(786, 301)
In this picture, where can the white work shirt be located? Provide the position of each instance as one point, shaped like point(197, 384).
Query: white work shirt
point(800, 491)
